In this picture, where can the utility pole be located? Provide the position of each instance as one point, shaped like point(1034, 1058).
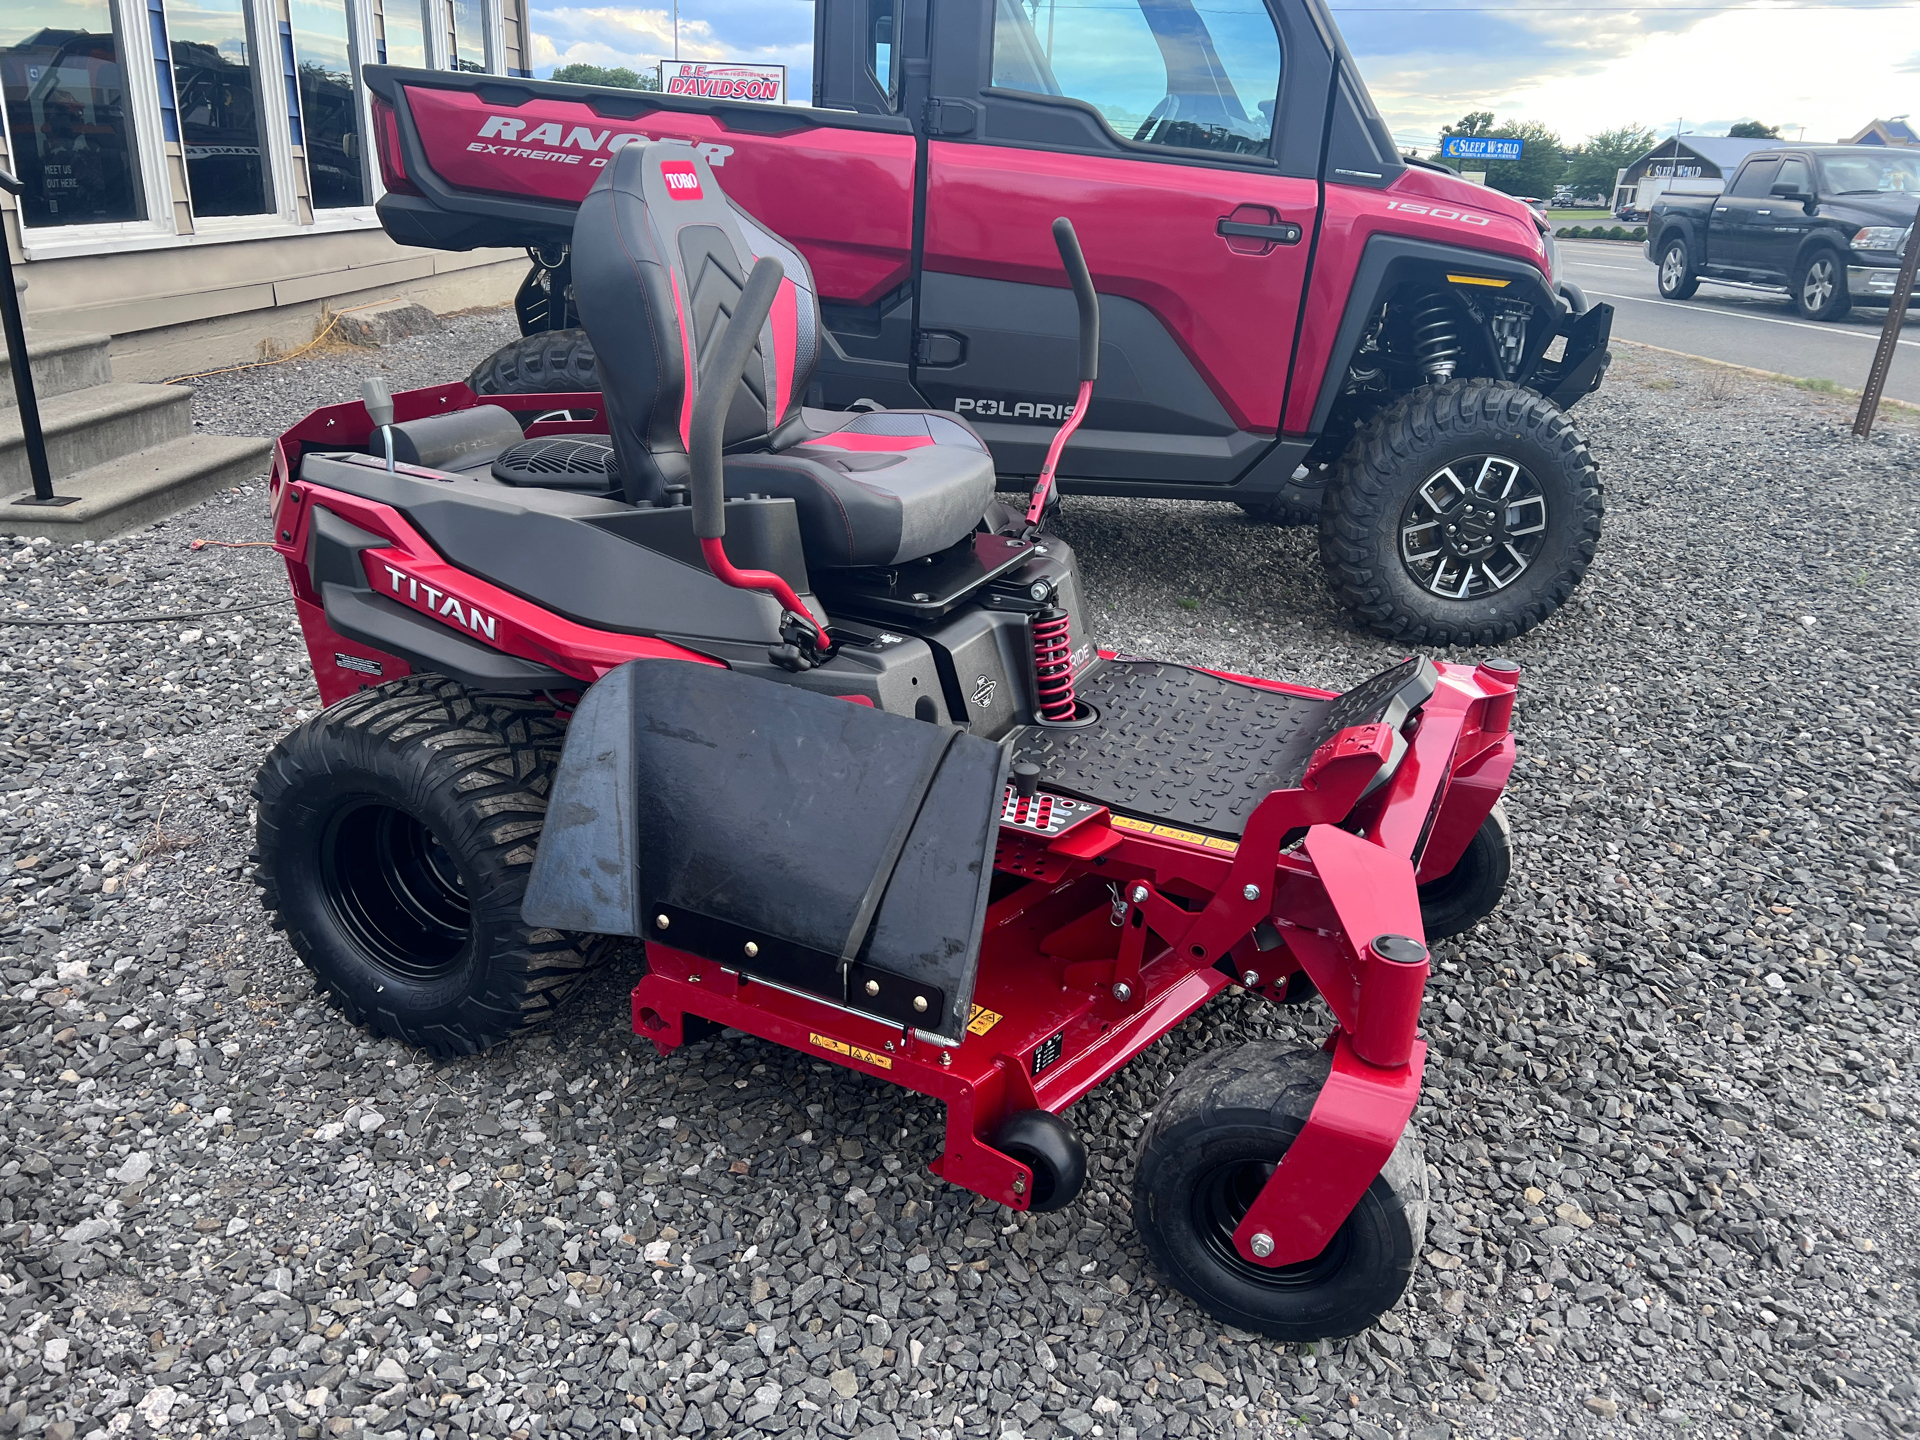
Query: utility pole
point(676, 32)
point(1889, 336)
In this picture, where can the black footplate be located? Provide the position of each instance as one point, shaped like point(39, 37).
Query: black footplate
point(1181, 746)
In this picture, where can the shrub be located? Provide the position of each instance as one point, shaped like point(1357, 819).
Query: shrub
point(1618, 232)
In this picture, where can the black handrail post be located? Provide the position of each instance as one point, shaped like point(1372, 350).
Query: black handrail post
point(15, 325)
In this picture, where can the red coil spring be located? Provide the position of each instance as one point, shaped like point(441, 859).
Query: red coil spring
point(1053, 664)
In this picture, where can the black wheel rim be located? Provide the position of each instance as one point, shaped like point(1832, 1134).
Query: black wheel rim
point(1473, 527)
point(395, 890)
point(1220, 1202)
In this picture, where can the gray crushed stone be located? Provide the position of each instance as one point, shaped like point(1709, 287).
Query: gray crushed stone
point(1670, 1110)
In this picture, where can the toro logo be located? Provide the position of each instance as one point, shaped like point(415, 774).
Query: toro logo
point(439, 603)
point(683, 181)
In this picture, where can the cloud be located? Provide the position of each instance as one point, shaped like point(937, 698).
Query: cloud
point(767, 31)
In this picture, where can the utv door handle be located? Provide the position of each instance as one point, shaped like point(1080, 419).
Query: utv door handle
point(1283, 233)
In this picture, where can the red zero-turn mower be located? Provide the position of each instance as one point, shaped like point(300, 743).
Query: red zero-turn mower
point(758, 685)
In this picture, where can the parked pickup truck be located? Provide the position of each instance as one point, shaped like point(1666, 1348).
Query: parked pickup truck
point(1826, 223)
point(1293, 317)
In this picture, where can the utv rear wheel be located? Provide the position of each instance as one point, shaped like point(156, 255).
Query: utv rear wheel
point(1457, 901)
point(1462, 514)
point(396, 836)
point(537, 365)
point(1677, 280)
point(1218, 1135)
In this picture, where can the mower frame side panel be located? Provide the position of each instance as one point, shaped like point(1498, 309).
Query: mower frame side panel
point(584, 874)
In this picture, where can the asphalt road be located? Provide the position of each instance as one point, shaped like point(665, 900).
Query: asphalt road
point(1746, 327)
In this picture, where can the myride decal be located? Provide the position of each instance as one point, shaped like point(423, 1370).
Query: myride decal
point(762, 84)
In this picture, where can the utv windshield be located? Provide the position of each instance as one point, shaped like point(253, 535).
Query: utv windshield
point(1870, 174)
point(1197, 76)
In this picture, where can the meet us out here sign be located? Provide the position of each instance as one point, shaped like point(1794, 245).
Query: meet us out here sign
point(766, 84)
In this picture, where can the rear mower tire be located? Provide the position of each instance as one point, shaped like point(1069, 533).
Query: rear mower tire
point(1218, 1134)
point(396, 835)
point(538, 364)
point(1460, 899)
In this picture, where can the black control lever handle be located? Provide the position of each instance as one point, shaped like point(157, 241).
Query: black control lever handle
point(1083, 295)
point(719, 378)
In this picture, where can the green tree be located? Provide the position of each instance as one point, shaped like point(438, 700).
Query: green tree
point(1477, 122)
point(1593, 166)
point(618, 78)
point(1753, 130)
point(1542, 162)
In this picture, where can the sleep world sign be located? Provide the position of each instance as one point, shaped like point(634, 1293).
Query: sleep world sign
point(1478, 147)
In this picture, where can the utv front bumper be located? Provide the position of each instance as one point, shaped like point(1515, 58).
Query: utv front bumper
point(1584, 358)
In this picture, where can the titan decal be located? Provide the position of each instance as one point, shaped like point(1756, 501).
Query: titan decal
point(438, 602)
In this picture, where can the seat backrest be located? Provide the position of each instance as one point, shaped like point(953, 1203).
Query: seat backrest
point(660, 257)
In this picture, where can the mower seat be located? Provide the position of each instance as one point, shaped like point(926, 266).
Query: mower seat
point(660, 257)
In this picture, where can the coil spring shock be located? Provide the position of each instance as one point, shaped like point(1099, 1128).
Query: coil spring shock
point(1436, 338)
point(1053, 664)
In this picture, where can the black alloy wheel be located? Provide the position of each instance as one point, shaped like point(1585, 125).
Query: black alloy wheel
point(394, 888)
point(1473, 526)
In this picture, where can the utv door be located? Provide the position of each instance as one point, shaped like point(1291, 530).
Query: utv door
point(1186, 157)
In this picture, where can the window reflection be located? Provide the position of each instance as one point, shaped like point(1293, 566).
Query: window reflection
point(406, 40)
point(218, 105)
point(329, 113)
point(65, 86)
point(469, 36)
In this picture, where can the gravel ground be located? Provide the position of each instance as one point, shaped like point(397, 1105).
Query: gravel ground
point(1670, 1110)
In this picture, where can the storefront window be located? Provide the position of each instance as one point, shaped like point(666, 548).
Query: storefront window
point(329, 110)
point(64, 79)
point(469, 36)
point(406, 42)
point(219, 106)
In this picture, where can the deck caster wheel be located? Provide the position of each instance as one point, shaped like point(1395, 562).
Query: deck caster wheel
point(1043, 1142)
point(1217, 1136)
point(1460, 899)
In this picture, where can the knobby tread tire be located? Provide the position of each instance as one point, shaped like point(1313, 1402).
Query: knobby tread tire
point(1398, 449)
point(550, 361)
point(481, 765)
point(1268, 1087)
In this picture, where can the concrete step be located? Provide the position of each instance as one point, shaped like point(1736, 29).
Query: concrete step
point(132, 491)
point(61, 364)
point(90, 427)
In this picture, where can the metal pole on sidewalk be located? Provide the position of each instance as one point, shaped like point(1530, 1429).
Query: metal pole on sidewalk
point(15, 326)
point(1889, 336)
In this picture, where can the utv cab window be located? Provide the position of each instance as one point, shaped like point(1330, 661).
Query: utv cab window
point(1163, 72)
point(880, 47)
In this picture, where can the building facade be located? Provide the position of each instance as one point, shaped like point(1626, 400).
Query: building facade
point(1684, 164)
point(200, 175)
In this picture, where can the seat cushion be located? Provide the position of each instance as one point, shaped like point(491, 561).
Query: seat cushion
point(882, 488)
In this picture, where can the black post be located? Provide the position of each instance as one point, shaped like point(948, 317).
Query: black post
point(16, 333)
point(1889, 335)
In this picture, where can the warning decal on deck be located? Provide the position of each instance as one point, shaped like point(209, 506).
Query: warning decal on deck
point(852, 1052)
point(982, 1020)
point(1172, 832)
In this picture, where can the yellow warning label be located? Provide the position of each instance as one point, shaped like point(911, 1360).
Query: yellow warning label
point(982, 1020)
point(1171, 832)
point(853, 1052)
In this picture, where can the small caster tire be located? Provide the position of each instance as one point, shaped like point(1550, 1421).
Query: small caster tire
point(1216, 1137)
point(1460, 899)
point(1044, 1143)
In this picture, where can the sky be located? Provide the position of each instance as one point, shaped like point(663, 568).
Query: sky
point(1824, 69)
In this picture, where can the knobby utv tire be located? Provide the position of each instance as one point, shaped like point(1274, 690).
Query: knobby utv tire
point(538, 364)
point(396, 836)
point(1397, 451)
point(1230, 1118)
point(1460, 899)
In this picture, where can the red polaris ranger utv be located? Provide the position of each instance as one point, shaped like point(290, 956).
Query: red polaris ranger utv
point(787, 695)
point(1293, 317)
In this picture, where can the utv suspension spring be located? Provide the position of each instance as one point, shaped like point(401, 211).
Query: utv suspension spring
point(1053, 664)
point(1436, 337)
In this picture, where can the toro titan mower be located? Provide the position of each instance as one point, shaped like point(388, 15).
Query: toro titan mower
point(786, 695)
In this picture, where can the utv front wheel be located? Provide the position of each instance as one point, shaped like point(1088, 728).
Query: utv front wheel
point(1462, 514)
point(396, 836)
point(1218, 1135)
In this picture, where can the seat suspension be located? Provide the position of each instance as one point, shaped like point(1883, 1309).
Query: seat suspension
point(1053, 664)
